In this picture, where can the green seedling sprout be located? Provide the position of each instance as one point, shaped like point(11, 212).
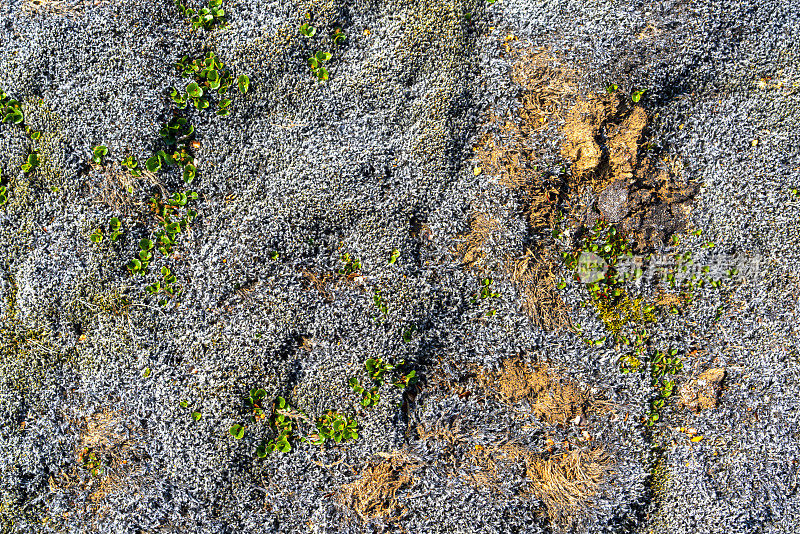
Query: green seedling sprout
point(393, 256)
point(315, 63)
point(10, 109)
point(338, 37)
point(115, 225)
point(132, 165)
point(97, 154)
point(197, 416)
point(244, 83)
point(31, 162)
point(237, 431)
point(308, 30)
point(96, 236)
point(637, 95)
point(368, 397)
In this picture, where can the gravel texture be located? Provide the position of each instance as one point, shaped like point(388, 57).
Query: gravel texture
point(379, 157)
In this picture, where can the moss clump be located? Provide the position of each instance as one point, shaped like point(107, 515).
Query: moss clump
point(617, 313)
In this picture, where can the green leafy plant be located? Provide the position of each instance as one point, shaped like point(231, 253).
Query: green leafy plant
point(90, 461)
point(485, 291)
point(115, 225)
point(369, 397)
point(244, 83)
point(316, 61)
point(3, 190)
point(308, 30)
point(612, 88)
point(139, 264)
point(351, 265)
point(393, 256)
point(176, 130)
point(167, 285)
point(196, 416)
point(338, 37)
point(97, 154)
point(96, 236)
point(282, 423)
point(31, 162)
point(10, 109)
point(237, 431)
point(379, 302)
point(336, 427)
point(132, 165)
point(207, 18)
point(210, 75)
point(637, 95)
point(662, 366)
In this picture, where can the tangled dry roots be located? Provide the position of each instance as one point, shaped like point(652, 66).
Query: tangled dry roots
point(373, 495)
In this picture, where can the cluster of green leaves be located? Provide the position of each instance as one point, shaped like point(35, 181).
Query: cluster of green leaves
point(10, 109)
point(174, 217)
point(380, 303)
point(335, 427)
point(89, 460)
point(289, 424)
point(3, 190)
point(316, 64)
point(637, 95)
point(393, 256)
point(166, 285)
point(485, 292)
point(663, 365)
point(115, 230)
point(610, 245)
point(376, 370)
point(196, 415)
point(132, 165)
point(317, 61)
point(209, 75)
point(31, 162)
point(207, 18)
point(176, 134)
point(351, 265)
point(140, 264)
point(97, 154)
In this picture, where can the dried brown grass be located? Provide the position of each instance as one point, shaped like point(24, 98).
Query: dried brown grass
point(471, 246)
point(565, 482)
point(374, 494)
point(59, 7)
point(103, 438)
point(554, 399)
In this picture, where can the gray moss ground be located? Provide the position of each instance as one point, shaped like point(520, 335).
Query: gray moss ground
point(356, 165)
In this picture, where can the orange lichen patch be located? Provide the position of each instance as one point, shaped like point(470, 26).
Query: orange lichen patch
point(623, 144)
point(703, 392)
point(374, 494)
point(553, 399)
